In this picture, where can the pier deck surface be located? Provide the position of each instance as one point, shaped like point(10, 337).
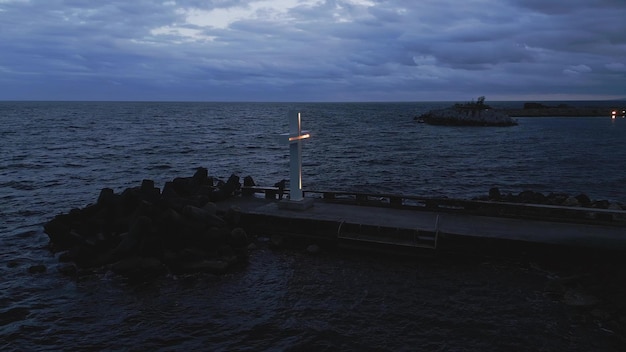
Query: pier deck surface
point(443, 223)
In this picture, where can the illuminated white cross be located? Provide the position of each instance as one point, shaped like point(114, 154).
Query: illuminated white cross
point(294, 138)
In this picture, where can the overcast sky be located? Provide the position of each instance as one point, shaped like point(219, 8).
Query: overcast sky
point(312, 50)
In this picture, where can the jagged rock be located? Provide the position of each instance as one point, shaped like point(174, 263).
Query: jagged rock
point(579, 298)
point(148, 192)
point(556, 198)
point(201, 177)
point(137, 266)
point(531, 197)
point(107, 197)
point(313, 249)
point(185, 186)
point(226, 189)
point(207, 266)
point(225, 250)
point(494, 193)
point(198, 214)
point(151, 245)
point(210, 208)
point(571, 202)
point(617, 217)
point(169, 191)
point(238, 238)
point(130, 241)
point(277, 241)
point(170, 216)
point(192, 254)
point(248, 182)
point(559, 199)
point(233, 216)
point(83, 255)
point(583, 200)
point(599, 204)
point(141, 229)
point(59, 230)
point(214, 236)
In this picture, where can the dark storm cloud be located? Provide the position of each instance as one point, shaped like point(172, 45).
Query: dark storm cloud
point(312, 50)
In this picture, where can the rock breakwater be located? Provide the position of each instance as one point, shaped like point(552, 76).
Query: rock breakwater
point(563, 110)
point(143, 231)
point(466, 117)
point(552, 198)
point(469, 114)
point(562, 200)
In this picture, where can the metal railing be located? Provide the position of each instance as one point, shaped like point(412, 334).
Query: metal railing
point(546, 212)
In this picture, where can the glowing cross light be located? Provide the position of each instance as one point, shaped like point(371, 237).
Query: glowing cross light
point(294, 138)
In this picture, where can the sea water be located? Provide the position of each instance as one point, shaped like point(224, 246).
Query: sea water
point(55, 156)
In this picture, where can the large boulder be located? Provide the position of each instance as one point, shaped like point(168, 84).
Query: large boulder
point(494, 194)
point(143, 231)
point(225, 190)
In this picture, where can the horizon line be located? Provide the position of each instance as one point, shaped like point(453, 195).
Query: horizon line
point(294, 102)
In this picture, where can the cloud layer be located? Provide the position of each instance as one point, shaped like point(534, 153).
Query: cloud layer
point(312, 50)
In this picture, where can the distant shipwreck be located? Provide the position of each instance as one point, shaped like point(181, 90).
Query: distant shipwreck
point(474, 113)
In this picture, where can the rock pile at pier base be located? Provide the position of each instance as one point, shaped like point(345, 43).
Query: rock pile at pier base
point(552, 198)
point(143, 231)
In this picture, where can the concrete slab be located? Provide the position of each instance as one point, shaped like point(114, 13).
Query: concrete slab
point(604, 236)
point(288, 204)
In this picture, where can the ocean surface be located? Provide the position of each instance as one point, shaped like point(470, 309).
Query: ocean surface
point(55, 156)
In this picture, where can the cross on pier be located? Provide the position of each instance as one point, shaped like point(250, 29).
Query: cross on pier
point(294, 138)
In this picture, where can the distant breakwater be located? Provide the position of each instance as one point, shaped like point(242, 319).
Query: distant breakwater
point(564, 110)
point(467, 117)
point(475, 113)
point(481, 114)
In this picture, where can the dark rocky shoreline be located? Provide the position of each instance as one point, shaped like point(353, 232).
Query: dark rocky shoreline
point(143, 231)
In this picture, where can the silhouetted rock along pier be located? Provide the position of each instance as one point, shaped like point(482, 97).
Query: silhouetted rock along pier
point(409, 221)
point(144, 231)
point(198, 225)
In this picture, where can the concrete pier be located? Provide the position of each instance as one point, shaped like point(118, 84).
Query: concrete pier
point(392, 224)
